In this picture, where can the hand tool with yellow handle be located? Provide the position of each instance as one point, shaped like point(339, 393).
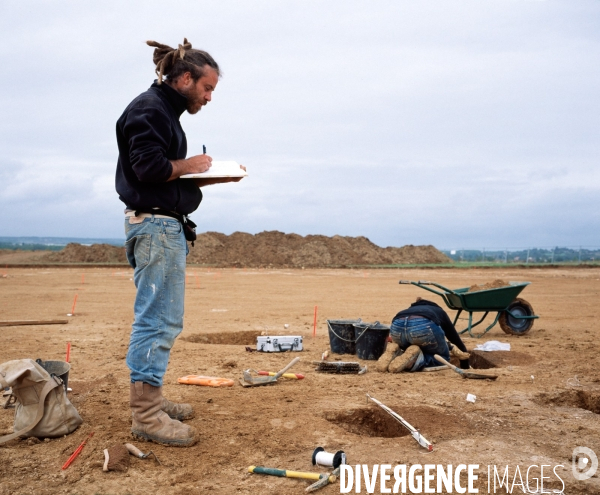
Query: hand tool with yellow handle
point(323, 481)
point(253, 381)
point(284, 473)
point(293, 376)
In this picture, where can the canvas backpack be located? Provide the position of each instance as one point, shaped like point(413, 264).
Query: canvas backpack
point(42, 407)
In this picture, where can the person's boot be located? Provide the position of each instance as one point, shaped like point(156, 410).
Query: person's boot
point(456, 352)
point(151, 423)
point(177, 411)
point(406, 360)
point(391, 351)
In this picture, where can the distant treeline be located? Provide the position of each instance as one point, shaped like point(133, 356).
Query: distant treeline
point(30, 247)
point(531, 255)
point(51, 243)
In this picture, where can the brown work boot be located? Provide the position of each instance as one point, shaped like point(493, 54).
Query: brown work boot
point(177, 411)
point(406, 360)
point(456, 352)
point(390, 353)
point(150, 423)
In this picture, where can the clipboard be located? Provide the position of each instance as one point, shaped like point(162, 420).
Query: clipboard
point(219, 169)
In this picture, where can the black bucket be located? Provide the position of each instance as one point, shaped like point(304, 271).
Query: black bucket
point(341, 336)
point(371, 340)
point(59, 368)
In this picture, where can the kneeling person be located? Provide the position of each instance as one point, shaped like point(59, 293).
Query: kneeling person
point(418, 333)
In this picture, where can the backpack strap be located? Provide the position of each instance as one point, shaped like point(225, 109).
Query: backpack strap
point(50, 385)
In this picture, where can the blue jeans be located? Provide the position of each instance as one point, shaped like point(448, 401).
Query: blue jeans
point(156, 249)
point(423, 333)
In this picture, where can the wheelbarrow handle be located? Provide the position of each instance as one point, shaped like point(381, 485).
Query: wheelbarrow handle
point(427, 282)
point(439, 286)
point(423, 283)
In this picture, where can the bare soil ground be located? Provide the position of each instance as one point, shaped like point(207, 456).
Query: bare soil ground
point(535, 413)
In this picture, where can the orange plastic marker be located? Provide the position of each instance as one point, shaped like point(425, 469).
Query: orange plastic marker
point(74, 303)
point(205, 381)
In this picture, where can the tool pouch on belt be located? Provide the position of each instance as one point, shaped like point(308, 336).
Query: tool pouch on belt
point(42, 407)
point(189, 230)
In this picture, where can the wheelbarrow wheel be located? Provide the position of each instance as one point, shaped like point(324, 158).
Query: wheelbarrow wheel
point(517, 326)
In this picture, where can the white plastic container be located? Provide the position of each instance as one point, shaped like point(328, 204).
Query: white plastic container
point(279, 343)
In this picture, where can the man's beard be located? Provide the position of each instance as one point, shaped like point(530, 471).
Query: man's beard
point(194, 104)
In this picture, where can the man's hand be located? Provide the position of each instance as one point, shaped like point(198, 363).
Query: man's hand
point(193, 165)
point(220, 180)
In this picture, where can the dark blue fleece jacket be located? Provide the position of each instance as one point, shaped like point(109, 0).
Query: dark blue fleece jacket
point(149, 136)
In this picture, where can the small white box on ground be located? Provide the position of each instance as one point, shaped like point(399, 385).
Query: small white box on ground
point(471, 398)
point(279, 343)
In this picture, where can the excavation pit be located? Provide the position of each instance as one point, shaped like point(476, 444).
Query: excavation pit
point(247, 338)
point(372, 421)
point(230, 338)
point(580, 399)
point(482, 360)
point(368, 422)
point(478, 361)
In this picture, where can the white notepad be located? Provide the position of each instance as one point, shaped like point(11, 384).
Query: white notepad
point(219, 169)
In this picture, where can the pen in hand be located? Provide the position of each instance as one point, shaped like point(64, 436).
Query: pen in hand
point(204, 153)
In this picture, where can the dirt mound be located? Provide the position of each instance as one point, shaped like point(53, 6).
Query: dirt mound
point(496, 284)
point(276, 249)
point(268, 249)
point(96, 253)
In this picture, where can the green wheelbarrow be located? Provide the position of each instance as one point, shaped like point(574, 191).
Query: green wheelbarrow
point(514, 314)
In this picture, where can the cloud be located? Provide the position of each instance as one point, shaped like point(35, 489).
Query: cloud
point(458, 123)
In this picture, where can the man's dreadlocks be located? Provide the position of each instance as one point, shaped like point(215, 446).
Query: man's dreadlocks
point(174, 62)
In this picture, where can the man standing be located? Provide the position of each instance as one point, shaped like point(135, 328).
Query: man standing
point(152, 157)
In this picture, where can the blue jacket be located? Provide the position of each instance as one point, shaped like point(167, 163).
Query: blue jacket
point(149, 136)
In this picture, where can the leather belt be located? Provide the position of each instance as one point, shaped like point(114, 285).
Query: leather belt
point(146, 215)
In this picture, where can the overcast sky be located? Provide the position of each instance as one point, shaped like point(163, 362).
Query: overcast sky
point(457, 123)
